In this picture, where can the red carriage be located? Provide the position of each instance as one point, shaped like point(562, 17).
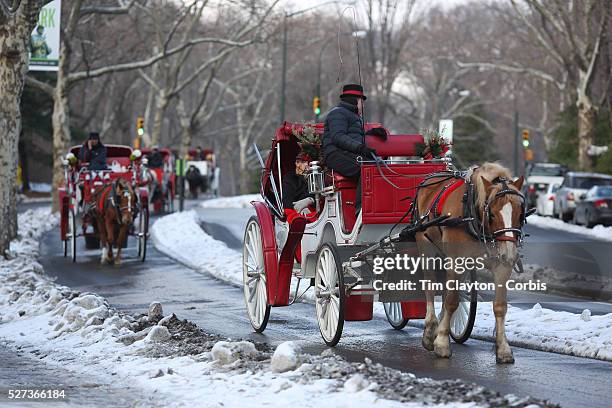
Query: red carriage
point(161, 179)
point(336, 245)
point(80, 185)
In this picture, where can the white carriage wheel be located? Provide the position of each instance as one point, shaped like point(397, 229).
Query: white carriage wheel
point(393, 310)
point(143, 231)
point(72, 234)
point(462, 320)
point(254, 277)
point(329, 293)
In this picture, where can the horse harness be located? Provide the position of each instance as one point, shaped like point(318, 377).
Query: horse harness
point(474, 225)
point(109, 196)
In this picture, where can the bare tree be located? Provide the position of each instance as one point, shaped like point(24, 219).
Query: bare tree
point(17, 20)
point(572, 35)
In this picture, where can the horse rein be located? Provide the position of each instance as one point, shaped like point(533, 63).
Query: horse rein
point(119, 210)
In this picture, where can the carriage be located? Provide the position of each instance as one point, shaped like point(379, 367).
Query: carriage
point(202, 173)
point(336, 247)
point(162, 181)
point(80, 183)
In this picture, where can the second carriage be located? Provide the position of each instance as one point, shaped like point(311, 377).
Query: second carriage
point(336, 247)
point(80, 183)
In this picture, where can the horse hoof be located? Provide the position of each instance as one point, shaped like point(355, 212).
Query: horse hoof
point(504, 359)
point(442, 348)
point(427, 343)
point(117, 262)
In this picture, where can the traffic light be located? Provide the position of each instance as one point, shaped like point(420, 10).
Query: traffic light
point(526, 138)
point(140, 126)
point(316, 105)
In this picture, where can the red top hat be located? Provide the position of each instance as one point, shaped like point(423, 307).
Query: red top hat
point(353, 90)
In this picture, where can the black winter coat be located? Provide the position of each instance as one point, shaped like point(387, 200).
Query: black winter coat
point(295, 188)
point(96, 157)
point(343, 130)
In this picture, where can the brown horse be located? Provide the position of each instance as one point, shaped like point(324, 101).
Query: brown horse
point(497, 210)
point(114, 216)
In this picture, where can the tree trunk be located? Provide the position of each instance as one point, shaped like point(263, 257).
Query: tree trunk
point(14, 35)
point(587, 119)
point(158, 119)
point(245, 175)
point(61, 128)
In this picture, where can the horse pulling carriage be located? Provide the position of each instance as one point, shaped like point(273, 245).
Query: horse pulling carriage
point(162, 179)
point(336, 248)
point(117, 192)
point(202, 173)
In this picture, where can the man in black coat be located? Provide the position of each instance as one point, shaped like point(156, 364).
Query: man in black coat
point(93, 152)
point(344, 136)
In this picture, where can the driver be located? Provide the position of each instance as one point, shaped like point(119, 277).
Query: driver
point(155, 158)
point(344, 136)
point(93, 152)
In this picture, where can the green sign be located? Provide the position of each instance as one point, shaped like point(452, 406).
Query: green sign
point(180, 167)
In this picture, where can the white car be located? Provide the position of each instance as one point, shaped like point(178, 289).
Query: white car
point(545, 201)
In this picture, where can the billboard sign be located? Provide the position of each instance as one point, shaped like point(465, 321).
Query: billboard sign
point(44, 45)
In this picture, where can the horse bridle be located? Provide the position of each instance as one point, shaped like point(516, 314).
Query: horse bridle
point(500, 234)
point(119, 210)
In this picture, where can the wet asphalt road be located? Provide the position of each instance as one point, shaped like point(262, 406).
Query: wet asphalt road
point(219, 308)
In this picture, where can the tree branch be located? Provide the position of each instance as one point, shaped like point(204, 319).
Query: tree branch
point(122, 8)
point(41, 86)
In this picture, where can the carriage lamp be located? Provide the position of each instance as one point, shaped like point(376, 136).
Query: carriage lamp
point(315, 178)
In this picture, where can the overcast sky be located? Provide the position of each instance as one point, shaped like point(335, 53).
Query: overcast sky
point(293, 5)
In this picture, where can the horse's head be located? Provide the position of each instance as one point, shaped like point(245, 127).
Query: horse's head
point(125, 201)
point(503, 214)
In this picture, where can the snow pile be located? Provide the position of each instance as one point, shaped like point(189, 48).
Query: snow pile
point(41, 187)
point(180, 236)
point(598, 231)
point(242, 201)
point(286, 357)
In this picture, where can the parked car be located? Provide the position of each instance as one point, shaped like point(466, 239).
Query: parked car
point(595, 207)
point(545, 202)
point(574, 185)
point(539, 177)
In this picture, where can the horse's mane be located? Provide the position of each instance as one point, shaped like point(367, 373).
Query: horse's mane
point(489, 171)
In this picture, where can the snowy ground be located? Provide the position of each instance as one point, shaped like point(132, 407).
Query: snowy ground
point(179, 236)
point(173, 363)
point(598, 231)
point(243, 201)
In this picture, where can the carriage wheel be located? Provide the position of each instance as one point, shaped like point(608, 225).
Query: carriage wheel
point(393, 310)
point(329, 292)
point(71, 236)
point(168, 201)
point(254, 277)
point(462, 321)
point(143, 232)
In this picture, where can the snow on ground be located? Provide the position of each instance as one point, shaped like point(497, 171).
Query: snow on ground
point(179, 236)
point(82, 333)
point(242, 201)
point(598, 231)
point(41, 187)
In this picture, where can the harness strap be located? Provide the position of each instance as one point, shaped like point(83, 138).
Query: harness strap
point(440, 199)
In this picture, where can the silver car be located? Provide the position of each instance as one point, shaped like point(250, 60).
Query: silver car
point(574, 185)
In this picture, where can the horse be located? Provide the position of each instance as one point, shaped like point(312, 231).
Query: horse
point(114, 215)
point(494, 211)
point(195, 179)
